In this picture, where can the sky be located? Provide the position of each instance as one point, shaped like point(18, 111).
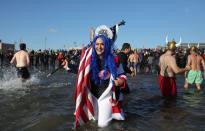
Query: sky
point(60, 24)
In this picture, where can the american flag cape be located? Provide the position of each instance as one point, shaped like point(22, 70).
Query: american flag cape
point(88, 107)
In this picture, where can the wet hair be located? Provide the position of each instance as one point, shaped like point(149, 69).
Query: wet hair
point(125, 46)
point(108, 60)
point(22, 46)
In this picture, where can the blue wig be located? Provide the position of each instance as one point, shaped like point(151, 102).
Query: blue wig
point(108, 60)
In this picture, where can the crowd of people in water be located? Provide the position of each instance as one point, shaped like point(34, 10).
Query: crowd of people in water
point(139, 60)
point(102, 71)
point(165, 63)
point(41, 58)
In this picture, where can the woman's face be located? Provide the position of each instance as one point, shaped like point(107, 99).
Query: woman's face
point(99, 47)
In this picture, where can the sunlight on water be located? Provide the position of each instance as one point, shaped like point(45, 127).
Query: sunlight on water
point(58, 85)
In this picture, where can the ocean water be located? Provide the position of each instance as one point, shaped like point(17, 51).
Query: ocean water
point(46, 104)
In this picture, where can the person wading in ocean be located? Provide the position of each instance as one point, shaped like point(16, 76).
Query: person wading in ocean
point(168, 69)
point(21, 61)
point(195, 75)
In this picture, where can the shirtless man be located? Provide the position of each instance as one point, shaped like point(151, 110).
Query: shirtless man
point(21, 60)
point(136, 61)
point(168, 69)
point(195, 61)
point(131, 63)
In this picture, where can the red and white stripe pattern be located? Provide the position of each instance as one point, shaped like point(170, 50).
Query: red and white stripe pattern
point(86, 104)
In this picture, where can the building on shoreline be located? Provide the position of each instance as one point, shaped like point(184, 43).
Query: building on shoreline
point(185, 45)
point(6, 47)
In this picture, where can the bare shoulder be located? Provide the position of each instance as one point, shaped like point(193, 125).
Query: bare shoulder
point(25, 52)
point(160, 58)
point(17, 53)
point(14, 55)
point(171, 58)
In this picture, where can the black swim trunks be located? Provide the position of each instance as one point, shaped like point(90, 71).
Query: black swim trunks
point(22, 72)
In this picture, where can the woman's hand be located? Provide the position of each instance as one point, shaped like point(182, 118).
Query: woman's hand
point(118, 82)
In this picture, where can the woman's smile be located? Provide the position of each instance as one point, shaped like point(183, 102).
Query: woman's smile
point(99, 46)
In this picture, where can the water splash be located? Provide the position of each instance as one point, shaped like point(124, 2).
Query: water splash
point(10, 81)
